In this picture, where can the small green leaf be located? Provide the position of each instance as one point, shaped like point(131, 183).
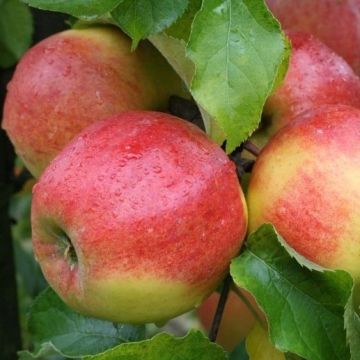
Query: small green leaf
point(79, 8)
point(193, 346)
point(16, 28)
point(142, 18)
point(238, 48)
point(52, 322)
point(304, 308)
point(352, 325)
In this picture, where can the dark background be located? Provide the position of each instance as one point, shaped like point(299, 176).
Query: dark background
point(45, 24)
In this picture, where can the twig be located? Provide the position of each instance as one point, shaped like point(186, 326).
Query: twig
point(251, 148)
point(220, 309)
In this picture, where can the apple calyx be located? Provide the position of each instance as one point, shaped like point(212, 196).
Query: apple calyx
point(65, 245)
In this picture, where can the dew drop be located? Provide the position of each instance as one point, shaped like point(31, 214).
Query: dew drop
point(157, 169)
point(122, 162)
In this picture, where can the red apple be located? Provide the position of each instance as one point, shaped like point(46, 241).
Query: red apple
point(306, 182)
point(334, 22)
point(237, 320)
point(77, 77)
point(137, 219)
point(316, 76)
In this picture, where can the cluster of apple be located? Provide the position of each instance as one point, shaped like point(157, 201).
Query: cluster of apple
point(306, 180)
point(137, 213)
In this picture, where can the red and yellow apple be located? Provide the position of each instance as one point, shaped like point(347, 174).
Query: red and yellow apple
point(237, 320)
point(137, 219)
point(334, 22)
point(316, 76)
point(306, 182)
point(77, 77)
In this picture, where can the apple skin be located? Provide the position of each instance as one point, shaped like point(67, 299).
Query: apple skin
point(153, 210)
point(316, 76)
point(334, 22)
point(74, 78)
point(306, 182)
point(237, 320)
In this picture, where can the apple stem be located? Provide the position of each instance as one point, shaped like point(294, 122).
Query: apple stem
point(220, 309)
point(251, 148)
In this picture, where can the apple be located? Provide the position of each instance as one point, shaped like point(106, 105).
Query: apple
point(137, 219)
point(334, 22)
point(316, 76)
point(306, 182)
point(237, 320)
point(74, 78)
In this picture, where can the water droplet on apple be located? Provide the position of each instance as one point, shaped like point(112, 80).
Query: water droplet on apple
point(157, 169)
point(133, 156)
point(67, 71)
point(122, 162)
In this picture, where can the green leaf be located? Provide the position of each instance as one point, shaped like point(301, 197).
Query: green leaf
point(182, 27)
point(16, 28)
point(352, 325)
point(79, 8)
point(305, 308)
point(46, 352)
point(193, 346)
point(172, 44)
point(142, 18)
point(174, 51)
point(238, 48)
point(28, 271)
point(51, 322)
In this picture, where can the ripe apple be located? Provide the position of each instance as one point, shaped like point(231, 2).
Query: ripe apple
point(237, 320)
point(77, 77)
point(137, 219)
point(334, 22)
point(306, 182)
point(316, 76)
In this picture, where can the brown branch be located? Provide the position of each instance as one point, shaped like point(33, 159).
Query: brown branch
point(252, 148)
point(220, 309)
